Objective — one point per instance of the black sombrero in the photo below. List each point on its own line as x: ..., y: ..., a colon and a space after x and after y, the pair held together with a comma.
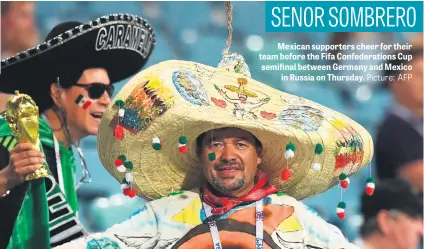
x: 120, y: 43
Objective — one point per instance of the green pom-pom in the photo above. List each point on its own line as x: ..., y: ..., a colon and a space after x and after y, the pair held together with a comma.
x: 279, y: 193
x: 124, y: 181
x: 157, y: 146
x: 212, y: 156
x: 119, y: 103
x: 319, y: 149
x: 342, y: 176
x: 291, y: 146
x: 122, y: 157
x: 342, y: 204
x: 128, y: 165
x: 370, y: 179
x: 182, y: 140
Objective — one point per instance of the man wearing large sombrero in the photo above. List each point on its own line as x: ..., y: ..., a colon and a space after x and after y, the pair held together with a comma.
x: 217, y: 179
x: 70, y: 78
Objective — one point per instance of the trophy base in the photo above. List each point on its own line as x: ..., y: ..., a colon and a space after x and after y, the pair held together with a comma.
x: 40, y: 173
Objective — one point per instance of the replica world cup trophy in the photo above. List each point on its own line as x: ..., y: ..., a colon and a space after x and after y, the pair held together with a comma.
x: 22, y: 116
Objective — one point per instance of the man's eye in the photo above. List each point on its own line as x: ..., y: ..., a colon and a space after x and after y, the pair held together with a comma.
x: 216, y: 145
x: 241, y: 145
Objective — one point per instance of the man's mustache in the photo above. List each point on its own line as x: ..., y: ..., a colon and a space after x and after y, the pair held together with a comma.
x: 232, y: 164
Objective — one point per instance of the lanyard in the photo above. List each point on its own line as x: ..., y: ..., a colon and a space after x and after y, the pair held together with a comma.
x: 259, y: 226
x: 58, y: 164
x: 58, y: 161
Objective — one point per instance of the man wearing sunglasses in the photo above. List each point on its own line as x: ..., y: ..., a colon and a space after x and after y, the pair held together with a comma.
x: 70, y: 78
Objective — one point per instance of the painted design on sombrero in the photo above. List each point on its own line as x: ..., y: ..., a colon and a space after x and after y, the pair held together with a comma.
x: 105, y: 243
x: 190, y: 87
x: 234, y: 63
x: 293, y: 100
x: 349, y: 150
x: 203, y: 73
x: 146, y: 102
x: 302, y: 117
x: 268, y: 115
x: 239, y: 95
x: 219, y: 102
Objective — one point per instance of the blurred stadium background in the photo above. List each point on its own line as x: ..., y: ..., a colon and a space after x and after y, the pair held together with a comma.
x: 197, y: 31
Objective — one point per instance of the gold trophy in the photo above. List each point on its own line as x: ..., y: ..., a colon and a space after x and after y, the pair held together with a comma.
x: 22, y: 116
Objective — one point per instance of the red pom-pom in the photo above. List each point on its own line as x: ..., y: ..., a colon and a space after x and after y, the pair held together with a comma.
x: 183, y: 149
x: 119, y: 132
x: 126, y: 191
x: 286, y: 174
x: 341, y: 215
x: 132, y: 192
x: 369, y: 191
x: 344, y: 184
x: 118, y: 162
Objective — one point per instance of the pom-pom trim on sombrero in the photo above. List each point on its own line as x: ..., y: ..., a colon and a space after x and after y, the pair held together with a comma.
x: 344, y: 180
x: 156, y: 143
x: 182, y: 145
x: 341, y: 207
x: 318, y: 151
x: 370, y: 187
x: 127, y: 189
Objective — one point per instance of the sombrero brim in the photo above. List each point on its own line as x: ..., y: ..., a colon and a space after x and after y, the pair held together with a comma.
x: 174, y: 110
x: 120, y: 43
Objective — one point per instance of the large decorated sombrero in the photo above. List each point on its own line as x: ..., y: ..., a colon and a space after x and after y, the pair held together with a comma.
x: 147, y: 138
x: 120, y: 43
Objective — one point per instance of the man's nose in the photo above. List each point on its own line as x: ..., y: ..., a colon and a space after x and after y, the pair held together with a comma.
x: 228, y: 153
x: 105, y: 99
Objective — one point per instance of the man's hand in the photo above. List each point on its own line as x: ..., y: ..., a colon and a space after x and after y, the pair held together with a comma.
x: 24, y: 159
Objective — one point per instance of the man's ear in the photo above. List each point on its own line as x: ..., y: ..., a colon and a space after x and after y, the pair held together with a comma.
x: 56, y: 94
x: 383, y: 221
x: 259, y: 160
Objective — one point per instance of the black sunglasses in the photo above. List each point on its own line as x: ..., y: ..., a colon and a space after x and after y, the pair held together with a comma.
x: 96, y: 90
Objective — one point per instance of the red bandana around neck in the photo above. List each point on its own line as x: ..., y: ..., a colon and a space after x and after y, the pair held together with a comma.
x: 221, y: 205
